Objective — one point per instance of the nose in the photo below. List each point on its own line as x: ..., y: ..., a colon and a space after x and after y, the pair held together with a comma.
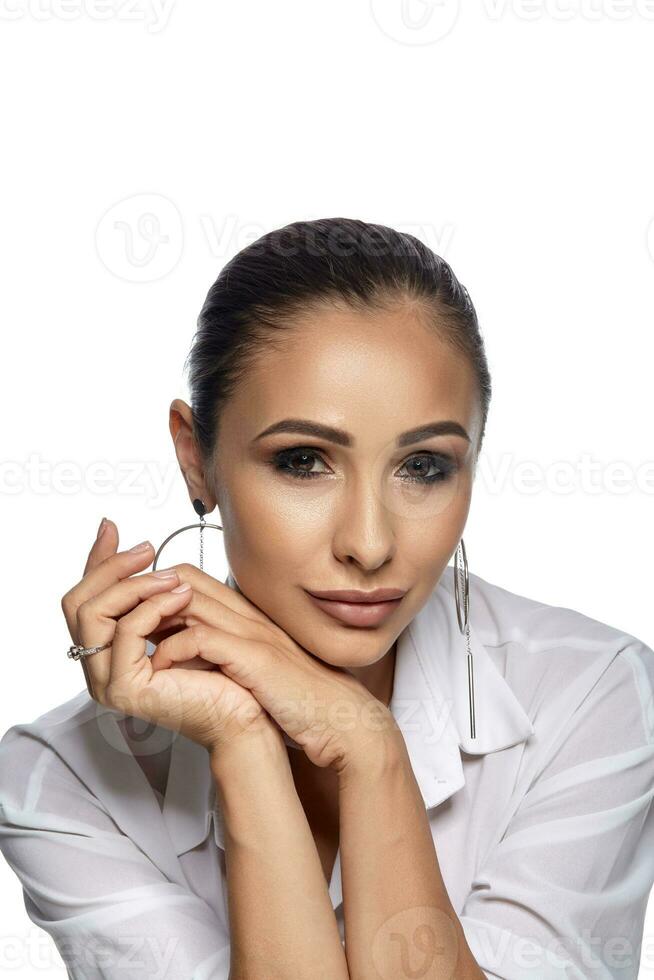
x: 364, y: 532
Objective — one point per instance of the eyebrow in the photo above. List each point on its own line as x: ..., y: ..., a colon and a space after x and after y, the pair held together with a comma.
x: 342, y: 438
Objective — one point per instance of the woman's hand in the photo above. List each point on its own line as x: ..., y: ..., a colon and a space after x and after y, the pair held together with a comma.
x: 111, y: 604
x: 329, y: 713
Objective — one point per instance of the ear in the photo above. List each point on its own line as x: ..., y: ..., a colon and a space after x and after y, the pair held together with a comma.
x: 180, y: 423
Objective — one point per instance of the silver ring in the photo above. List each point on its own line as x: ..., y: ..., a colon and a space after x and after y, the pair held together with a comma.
x: 77, y: 652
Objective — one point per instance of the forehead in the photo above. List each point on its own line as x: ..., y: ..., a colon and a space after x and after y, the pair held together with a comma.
x: 382, y: 369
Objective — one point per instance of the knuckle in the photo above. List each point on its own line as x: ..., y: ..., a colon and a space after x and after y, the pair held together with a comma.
x: 273, y: 633
x: 280, y: 640
x: 106, y: 696
x: 263, y: 635
x: 101, y: 697
x: 122, y: 629
x: 86, y: 611
x: 201, y: 633
x: 67, y: 601
x: 273, y: 652
x: 117, y: 697
x: 185, y: 568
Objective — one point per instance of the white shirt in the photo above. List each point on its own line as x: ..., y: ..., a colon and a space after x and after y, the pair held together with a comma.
x: 543, y: 824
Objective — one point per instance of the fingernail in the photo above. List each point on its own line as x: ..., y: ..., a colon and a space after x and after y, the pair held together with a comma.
x: 166, y: 573
x: 101, y: 529
x: 143, y: 546
x: 182, y: 588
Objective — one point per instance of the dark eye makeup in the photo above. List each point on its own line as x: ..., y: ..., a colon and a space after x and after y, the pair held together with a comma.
x: 431, y: 467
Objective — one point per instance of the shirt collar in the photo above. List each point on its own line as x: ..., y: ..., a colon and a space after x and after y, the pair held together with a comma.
x: 429, y: 704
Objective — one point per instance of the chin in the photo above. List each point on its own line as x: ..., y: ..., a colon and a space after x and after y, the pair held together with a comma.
x: 350, y: 649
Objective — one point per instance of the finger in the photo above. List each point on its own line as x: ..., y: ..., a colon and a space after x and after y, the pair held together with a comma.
x: 212, y: 587
x: 129, y: 660
x: 105, y: 544
x: 205, y: 609
x: 96, y: 618
x: 102, y: 572
x: 214, y: 612
x: 241, y: 657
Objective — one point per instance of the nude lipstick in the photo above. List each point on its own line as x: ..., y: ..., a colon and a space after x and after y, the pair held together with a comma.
x: 356, y: 608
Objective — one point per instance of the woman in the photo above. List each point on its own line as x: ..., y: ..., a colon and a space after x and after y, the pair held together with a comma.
x: 323, y: 790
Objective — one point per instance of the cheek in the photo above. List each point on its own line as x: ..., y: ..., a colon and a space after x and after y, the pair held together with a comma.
x: 436, y: 506
x: 270, y: 539
x: 427, y: 546
x: 295, y: 521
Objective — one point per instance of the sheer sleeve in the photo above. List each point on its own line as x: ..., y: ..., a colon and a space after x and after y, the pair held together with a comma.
x: 111, y: 912
x: 564, y: 892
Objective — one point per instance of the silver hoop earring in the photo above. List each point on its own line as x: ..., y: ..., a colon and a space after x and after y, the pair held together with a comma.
x: 462, y: 599
x: 199, y: 507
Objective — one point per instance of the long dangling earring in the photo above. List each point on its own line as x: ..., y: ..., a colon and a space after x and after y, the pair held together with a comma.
x: 198, y: 506
x: 462, y: 597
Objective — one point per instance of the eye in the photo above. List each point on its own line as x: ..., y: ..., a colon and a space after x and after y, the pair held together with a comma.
x: 430, y: 468
x: 286, y: 460
x: 425, y: 468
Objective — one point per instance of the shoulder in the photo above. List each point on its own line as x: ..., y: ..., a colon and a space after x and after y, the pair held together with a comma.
x: 52, y: 724
x: 72, y: 752
x: 557, y: 655
x: 501, y: 616
x: 29, y: 749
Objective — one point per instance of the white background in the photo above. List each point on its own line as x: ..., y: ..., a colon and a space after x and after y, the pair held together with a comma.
x: 145, y: 144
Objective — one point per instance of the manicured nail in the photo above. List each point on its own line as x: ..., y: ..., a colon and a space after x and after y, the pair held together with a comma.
x: 182, y: 588
x: 143, y: 546
x: 101, y: 529
x: 166, y: 573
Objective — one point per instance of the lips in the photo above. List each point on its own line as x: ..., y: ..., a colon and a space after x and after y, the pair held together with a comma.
x: 361, y: 614
x: 355, y: 595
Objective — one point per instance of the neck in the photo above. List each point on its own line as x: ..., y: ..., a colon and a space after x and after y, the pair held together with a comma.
x: 378, y: 677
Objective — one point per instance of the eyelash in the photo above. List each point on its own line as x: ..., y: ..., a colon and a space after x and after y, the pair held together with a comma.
x: 281, y: 459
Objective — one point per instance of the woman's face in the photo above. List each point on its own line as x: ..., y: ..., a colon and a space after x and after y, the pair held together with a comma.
x: 353, y: 508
